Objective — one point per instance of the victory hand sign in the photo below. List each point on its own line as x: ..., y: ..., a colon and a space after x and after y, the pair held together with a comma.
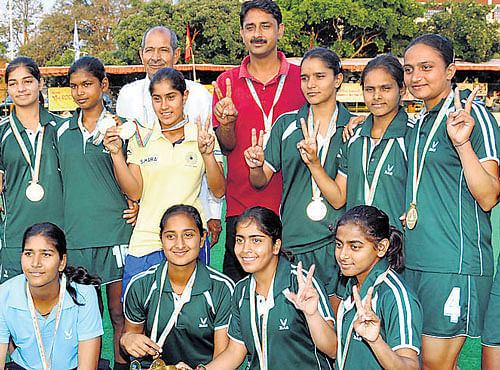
x: 225, y: 110
x: 367, y: 324
x: 206, y: 141
x: 254, y: 155
x: 460, y: 123
x: 308, y: 147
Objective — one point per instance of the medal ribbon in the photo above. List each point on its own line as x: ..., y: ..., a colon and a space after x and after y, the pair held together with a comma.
x: 35, y: 172
x: 342, y: 355
x: 180, y: 124
x: 332, y: 128
x: 268, y: 119
x: 370, y: 189
x: 98, y: 136
x: 185, y: 297
x: 435, y: 125
x: 260, y: 348
x: 46, y: 363
x: 138, y: 135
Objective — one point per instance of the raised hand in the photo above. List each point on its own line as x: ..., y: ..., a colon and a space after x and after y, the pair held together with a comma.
x: 206, y: 141
x: 354, y: 122
x: 254, y: 155
x: 367, y: 324
x: 306, y: 299
x: 112, y: 140
x: 308, y: 147
x: 225, y: 111
x: 460, y: 123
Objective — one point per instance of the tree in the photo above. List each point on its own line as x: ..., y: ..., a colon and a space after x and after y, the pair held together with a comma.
x: 214, y: 26
x: 95, y: 21
x: 26, y: 15
x: 465, y: 24
x: 352, y: 28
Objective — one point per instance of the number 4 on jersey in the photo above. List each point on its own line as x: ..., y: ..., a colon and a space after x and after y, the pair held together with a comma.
x: 452, y: 305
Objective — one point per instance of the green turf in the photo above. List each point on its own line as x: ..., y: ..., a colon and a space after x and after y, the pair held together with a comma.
x: 470, y: 357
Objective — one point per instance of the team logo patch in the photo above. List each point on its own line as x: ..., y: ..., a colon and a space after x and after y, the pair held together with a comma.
x: 388, y: 170
x: 191, y: 159
x: 284, y: 324
x: 151, y: 159
x: 203, y: 322
x: 433, y: 147
x: 68, y: 334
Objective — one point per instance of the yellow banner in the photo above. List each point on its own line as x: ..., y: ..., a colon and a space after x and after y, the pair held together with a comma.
x: 60, y: 99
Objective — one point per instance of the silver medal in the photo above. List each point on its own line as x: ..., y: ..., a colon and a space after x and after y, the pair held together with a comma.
x: 35, y: 192
x: 316, y: 210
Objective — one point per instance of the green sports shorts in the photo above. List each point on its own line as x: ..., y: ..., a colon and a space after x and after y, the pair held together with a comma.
x: 105, y: 262
x: 491, y: 330
x: 453, y: 304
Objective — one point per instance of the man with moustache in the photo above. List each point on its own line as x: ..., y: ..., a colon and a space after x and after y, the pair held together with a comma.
x: 158, y: 50
x: 248, y: 97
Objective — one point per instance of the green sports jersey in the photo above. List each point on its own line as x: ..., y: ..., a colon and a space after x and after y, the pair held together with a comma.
x: 396, y: 306
x: 20, y: 212
x: 289, y: 343
x: 300, y: 234
x: 389, y: 194
x: 453, y: 233
x: 93, y: 201
x: 192, y: 337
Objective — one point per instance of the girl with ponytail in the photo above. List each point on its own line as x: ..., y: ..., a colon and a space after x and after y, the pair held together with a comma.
x: 382, y: 316
x: 40, y: 317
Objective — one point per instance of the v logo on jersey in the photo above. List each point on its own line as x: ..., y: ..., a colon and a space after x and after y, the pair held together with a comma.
x: 433, y: 147
x: 203, y: 323
x: 389, y: 169
x: 67, y: 334
x: 284, y: 324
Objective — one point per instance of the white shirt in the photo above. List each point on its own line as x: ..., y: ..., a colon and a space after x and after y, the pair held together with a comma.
x: 134, y: 101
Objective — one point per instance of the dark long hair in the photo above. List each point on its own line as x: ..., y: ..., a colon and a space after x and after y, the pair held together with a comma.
x: 189, y: 211
x: 56, y: 237
x: 30, y: 65
x: 375, y: 224
x: 439, y: 43
x: 269, y: 223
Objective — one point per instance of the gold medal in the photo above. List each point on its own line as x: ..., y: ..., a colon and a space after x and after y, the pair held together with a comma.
x: 35, y: 192
x: 316, y: 210
x: 411, y: 217
x: 158, y: 363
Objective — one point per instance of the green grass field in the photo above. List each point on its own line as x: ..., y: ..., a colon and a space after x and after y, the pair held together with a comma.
x: 470, y: 357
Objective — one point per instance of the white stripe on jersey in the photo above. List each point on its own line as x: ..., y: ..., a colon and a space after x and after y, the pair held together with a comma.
x: 487, y: 129
x: 6, y: 135
x: 402, y: 333
x: 242, y: 296
x: 478, y: 237
x: 216, y: 275
x: 406, y: 301
x: 149, y: 271
x: 62, y: 129
x: 354, y: 137
x: 289, y: 130
x: 153, y: 288
x: 460, y: 220
x: 401, y: 142
x: 208, y: 298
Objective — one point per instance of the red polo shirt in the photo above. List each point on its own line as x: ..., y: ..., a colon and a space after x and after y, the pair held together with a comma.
x: 240, y: 194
